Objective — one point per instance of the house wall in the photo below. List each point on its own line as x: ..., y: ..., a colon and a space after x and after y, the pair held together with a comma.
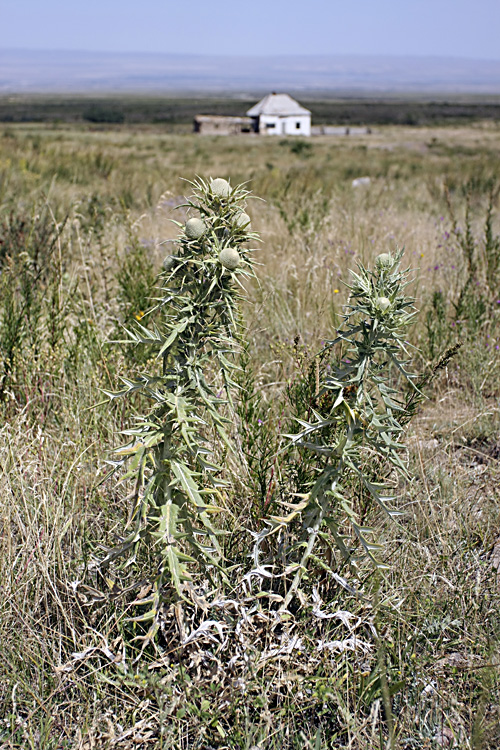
x: 305, y: 125
x: 221, y: 125
x: 275, y: 125
x: 216, y: 128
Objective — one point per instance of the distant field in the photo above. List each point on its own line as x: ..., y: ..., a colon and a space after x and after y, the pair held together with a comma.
x: 177, y: 112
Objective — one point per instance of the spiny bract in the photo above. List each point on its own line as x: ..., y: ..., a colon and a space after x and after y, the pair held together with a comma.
x: 195, y: 228
x: 230, y: 258
x: 220, y: 187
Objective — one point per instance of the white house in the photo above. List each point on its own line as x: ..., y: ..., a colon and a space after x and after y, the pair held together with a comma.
x: 279, y: 114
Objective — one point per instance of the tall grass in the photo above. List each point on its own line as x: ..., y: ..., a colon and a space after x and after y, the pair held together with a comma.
x: 82, y: 216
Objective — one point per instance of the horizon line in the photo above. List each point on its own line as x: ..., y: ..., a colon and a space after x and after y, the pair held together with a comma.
x: 413, y: 55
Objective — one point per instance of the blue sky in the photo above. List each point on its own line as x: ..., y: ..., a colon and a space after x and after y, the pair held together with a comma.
x: 459, y: 28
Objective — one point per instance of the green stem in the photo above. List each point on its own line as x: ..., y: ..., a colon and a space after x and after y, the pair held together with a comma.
x: 305, y: 557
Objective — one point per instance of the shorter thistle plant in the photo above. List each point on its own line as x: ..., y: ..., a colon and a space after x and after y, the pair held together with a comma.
x: 360, y: 435
x: 170, y: 453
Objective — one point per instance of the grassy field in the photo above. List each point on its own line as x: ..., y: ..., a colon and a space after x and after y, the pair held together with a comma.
x: 177, y: 113
x: 84, y: 215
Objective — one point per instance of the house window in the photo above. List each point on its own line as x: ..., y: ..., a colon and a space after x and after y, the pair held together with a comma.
x: 297, y: 125
x: 270, y: 124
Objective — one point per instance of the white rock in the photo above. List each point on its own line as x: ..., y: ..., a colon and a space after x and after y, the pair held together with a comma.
x: 359, y: 181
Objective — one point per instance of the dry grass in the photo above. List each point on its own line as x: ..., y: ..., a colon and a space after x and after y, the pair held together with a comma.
x: 440, y: 629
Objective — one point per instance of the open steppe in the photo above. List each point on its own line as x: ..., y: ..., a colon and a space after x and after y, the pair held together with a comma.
x: 84, y: 212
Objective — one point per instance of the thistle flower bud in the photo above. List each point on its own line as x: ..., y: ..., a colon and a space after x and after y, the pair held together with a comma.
x: 383, y: 303
x: 220, y: 187
x: 242, y: 221
x: 169, y: 262
x: 383, y: 260
x: 195, y: 228
x: 230, y: 258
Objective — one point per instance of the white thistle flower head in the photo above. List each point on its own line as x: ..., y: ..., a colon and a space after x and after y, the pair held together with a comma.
x: 230, y: 258
x: 383, y: 260
x: 383, y: 303
x: 220, y: 187
x: 242, y: 221
x: 195, y: 228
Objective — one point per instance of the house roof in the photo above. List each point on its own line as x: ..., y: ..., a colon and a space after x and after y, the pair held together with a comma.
x: 277, y: 104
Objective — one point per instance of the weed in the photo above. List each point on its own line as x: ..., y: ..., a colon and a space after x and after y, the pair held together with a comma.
x: 361, y: 422
x: 176, y: 482
x: 35, y: 294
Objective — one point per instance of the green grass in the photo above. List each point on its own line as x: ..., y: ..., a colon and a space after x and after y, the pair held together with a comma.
x: 82, y: 216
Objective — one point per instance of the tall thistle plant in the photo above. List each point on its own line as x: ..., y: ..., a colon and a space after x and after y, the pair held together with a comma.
x: 170, y: 452
x: 357, y: 423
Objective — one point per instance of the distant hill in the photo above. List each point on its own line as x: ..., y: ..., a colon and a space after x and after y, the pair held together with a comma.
x: 25, y: 71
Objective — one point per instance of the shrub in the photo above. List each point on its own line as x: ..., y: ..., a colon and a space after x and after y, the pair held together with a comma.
x: 104, y: 114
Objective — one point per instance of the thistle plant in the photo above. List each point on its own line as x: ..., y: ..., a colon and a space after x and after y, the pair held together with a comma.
x: 357, y: 425
x: 170, y: 454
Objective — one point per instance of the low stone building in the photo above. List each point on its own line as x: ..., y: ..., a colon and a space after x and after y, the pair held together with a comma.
x: 279, y: 114
x: 221, y: 125
x: 275, y: 114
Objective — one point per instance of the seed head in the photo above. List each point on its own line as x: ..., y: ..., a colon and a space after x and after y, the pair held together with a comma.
x: 220, y: 187
x: 383, y: 260
x: 383, y: 303
x: 195, y: 228
x: 242, y: 221
x: 230, y: 258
